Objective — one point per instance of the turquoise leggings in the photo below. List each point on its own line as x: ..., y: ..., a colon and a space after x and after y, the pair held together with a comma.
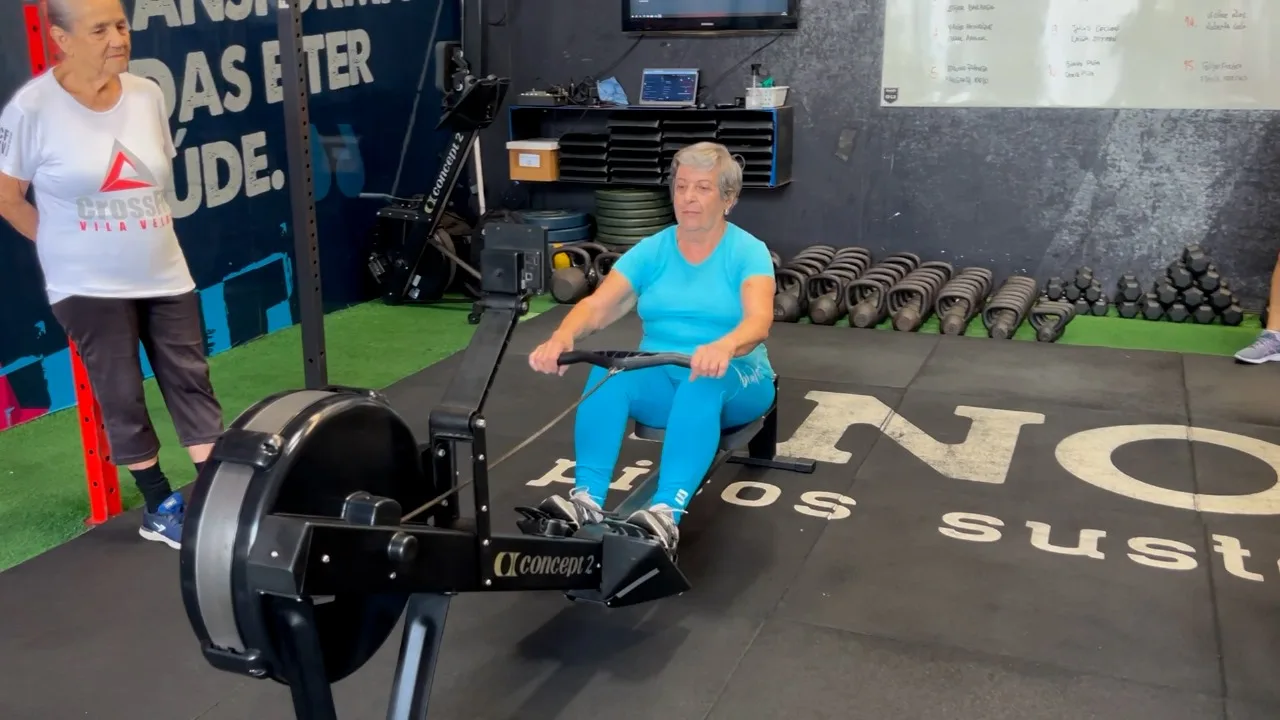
x: 692, y: 413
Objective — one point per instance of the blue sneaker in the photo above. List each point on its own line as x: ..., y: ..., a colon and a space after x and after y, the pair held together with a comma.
x: 165, y: 524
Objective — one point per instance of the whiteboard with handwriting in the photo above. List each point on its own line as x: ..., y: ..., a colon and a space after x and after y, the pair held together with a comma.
x: 1222, y: 54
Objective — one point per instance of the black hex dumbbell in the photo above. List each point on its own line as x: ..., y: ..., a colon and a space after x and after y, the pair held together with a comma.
x: 1084, y: 277
x: 1220, y: 299
x: 1082, y: 306
x: 1053, y: 289
x: 1093, y: 293
x: 1179, y: 276
x: 1151, y: 307
x: 1233, y: 315
x: 1130, y: 308
x: 1193, y: 297
x: 1167, y: 294
x: 1177, y: 312
x: 1195, y: 259
x: 1203, y: 314
x: 1210, y: 280
x: 1071, y: 293
x: 1128, y: 289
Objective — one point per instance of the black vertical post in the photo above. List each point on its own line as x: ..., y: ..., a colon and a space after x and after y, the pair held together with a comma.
x: 297, y: 132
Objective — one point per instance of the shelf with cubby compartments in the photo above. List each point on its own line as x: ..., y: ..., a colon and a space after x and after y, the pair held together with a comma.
x: 634, y: 145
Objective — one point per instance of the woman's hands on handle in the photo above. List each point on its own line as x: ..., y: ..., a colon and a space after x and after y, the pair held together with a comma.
x: 710, y: 360
x: 545, y: 358
x: 613, y: 299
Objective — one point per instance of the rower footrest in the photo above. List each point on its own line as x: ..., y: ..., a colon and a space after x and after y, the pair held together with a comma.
x: 633, y: 570
x: 538, y: 523
x: 790, y: 464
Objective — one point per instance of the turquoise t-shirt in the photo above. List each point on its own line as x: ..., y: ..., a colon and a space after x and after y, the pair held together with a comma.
x: 682, y: 305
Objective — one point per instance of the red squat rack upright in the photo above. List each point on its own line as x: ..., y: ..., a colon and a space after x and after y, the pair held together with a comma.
x: 103, y: 481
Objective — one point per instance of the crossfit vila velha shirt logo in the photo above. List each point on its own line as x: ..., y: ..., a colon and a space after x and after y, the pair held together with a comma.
x: 130, y: 197
x: 6, y: 141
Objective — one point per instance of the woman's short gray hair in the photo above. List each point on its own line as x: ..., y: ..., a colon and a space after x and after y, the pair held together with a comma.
x: 707, y: 156
x: 59, y: 13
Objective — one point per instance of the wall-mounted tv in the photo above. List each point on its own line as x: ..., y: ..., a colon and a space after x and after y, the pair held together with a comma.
x: 709, y: 16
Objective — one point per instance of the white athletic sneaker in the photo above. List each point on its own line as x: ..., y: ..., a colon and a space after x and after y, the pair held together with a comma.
x: 578, y: 509
x: 660, y: 522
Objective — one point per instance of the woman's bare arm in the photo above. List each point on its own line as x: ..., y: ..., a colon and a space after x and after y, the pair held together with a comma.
x: 14, y: 207
x: 757, y: 316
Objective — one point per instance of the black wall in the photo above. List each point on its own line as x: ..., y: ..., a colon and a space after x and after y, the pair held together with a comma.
x: 1017, y: 190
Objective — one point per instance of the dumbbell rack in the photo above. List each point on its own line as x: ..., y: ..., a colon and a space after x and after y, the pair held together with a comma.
x: 1191, y: 289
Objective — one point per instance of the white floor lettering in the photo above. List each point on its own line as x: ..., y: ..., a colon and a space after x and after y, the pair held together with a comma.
x: 743, y: 493
x: 1162, y: 553
x: 1233, y: 555
x: 1087, y: 545
x: 1152, y: 552
x: 1087, y: 455
x: 624, y: 483
x: 984, y: 456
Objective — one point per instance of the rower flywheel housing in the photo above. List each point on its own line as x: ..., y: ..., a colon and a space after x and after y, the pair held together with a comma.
x: 297, y: 453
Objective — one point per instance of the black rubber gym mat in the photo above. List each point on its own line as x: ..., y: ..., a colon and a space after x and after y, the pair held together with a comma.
x: 795, y: 670
x: 1090, y: 377
x: 1218, y: 388
x: 848, y: 355
x: 1246, y: 589
x: 952, y: 563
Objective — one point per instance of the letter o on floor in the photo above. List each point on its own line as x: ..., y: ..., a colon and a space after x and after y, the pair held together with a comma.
x: 1087, y: 455
x: 733, y: 494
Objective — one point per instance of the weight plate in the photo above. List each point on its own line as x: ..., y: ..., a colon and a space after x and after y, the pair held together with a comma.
x: 554, y: 219
x: 626, y: 226
x: 649, y: 204
x: 328, y: 446
x: 634, y: 213
x: 570, y: 234
x: 616, y: 224
x: 630, y: 194
x: 632, y: 229
x: 625, y: 241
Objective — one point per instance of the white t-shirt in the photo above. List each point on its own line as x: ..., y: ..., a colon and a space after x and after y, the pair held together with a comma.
x: 100, y: 179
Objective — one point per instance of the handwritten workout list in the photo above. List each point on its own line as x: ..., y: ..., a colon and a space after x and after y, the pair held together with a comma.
x: 1081, y: 53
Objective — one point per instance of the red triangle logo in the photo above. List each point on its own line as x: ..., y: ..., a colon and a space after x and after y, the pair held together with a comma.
x: 116, y: 183
x: 139, y: 176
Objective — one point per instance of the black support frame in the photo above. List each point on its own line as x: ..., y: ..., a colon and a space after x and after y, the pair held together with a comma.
x: 297, y: 131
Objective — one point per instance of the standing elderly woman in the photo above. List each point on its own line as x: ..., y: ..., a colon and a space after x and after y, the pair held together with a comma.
x: 94, y: 142
x: 703, y: 287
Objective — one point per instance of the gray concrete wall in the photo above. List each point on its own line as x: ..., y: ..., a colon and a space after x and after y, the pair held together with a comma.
x: 1016, y: 190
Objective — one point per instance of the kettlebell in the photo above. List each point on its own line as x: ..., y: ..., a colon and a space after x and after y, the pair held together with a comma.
x: 571, y: 284
x: 602, y: 265
x: 788, y: 301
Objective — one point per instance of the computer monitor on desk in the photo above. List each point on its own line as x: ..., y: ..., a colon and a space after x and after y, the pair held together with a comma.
x: 669, y: 88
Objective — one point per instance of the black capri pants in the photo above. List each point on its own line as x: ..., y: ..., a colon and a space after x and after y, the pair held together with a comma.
x: 107, y: 332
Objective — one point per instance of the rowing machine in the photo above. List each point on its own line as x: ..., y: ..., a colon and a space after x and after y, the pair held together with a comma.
x: 320, y: 519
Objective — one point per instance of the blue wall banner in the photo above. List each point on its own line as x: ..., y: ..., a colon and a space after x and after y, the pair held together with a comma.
x: 369, y: 66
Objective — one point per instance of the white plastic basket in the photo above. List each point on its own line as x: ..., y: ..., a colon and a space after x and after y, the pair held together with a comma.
x: 767, y: 97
